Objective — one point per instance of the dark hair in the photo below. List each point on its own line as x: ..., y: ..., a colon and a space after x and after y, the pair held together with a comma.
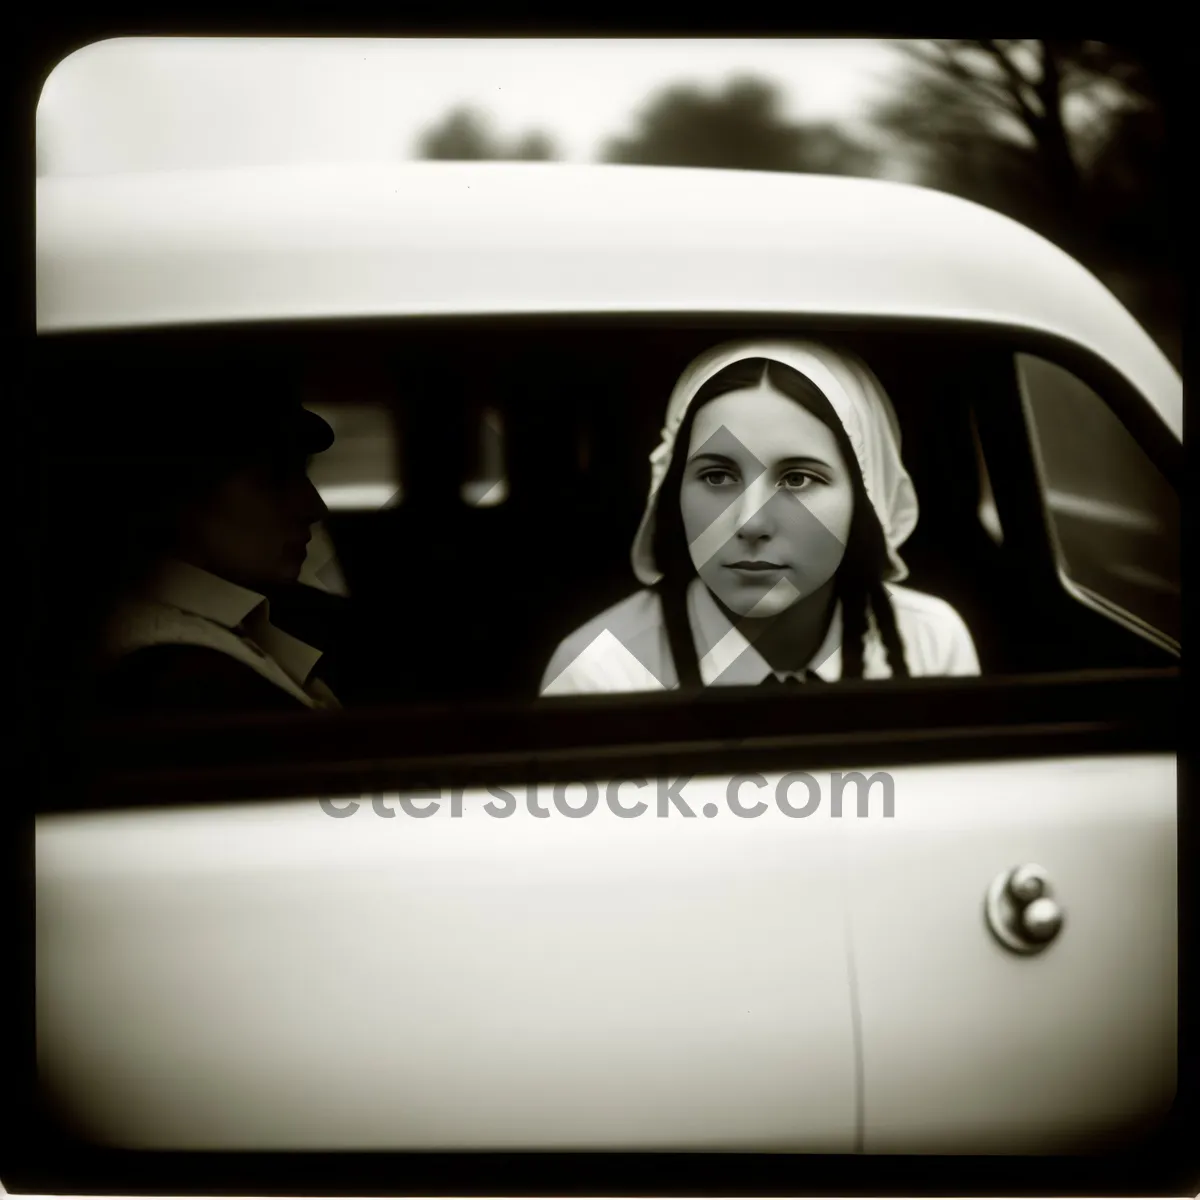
x: 859, y: 580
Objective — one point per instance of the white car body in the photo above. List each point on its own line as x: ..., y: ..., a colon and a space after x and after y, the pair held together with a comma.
x: 318, y: 243
x: 760, y: 985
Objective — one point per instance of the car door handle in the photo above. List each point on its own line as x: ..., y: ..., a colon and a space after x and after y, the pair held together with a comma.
x: 1021, y: 909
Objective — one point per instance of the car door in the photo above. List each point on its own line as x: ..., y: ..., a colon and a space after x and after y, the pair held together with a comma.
x: 224, y: 962
x: 973, y: 1042
x: 227, y: 963
x: 285, y: 975
x: 974, y: 1032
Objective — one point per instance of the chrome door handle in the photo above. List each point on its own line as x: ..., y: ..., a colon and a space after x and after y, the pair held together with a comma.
x: 1021, y: 910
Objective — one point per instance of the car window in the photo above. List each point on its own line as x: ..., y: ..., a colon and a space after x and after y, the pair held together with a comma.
x: 484, y: 488
x: 1114, y: 515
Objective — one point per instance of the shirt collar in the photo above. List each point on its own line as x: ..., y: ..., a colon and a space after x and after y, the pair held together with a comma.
x: 728, y: 658
x: 193, y: 590
x: 297, y: 658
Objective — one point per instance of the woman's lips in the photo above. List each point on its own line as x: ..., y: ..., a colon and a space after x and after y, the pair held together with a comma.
x: 755, y: 566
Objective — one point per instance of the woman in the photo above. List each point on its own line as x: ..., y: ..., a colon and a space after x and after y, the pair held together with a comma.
x: 769, y: 546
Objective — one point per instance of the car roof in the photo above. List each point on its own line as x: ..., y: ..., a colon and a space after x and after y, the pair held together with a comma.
x: 417, y: 239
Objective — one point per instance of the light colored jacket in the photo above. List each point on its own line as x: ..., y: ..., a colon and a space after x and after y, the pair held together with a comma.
x: 185, y: 605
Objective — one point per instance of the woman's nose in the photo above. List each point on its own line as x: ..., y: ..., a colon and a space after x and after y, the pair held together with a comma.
x: 754, y: 519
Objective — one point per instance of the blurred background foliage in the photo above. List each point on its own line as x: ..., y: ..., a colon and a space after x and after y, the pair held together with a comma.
x: 466, y: 133
x: 1072, y: 138
x: 740, y: 126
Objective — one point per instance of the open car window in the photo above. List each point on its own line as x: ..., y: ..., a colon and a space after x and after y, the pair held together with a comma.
x: 486, y: 481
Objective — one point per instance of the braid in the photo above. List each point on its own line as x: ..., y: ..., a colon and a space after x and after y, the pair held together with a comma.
x: 861, y: 587
x: 852, y: 593
x: 885, y: 619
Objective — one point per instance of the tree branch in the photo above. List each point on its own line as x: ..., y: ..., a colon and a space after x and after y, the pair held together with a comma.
x: 1049, y: 86
x: 948, y: 66
x: 1018, y: 82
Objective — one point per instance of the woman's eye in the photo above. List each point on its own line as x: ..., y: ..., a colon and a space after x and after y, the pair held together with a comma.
x: 717, y: 478
x: 797, y: 480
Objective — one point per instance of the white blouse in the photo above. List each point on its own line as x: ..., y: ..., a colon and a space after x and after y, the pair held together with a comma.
x: 625, y: 648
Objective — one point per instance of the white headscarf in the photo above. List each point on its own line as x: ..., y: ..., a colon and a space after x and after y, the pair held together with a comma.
x: 858, y: 399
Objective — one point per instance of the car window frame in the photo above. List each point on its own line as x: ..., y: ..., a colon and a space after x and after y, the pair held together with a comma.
x: 1019, y: 492
x: 230, y: 757
x: 1080, y: 592
x: 1006, y: 502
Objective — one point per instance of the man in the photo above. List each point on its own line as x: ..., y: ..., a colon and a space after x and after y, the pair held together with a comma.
x: 217, y: 514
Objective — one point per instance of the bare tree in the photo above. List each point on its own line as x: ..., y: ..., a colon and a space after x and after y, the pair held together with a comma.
x: 1069, y: 137
x: 993, y: 116
x: 740, y: 126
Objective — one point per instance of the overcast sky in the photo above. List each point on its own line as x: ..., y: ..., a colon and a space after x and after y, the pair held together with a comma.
x: 158, y: 104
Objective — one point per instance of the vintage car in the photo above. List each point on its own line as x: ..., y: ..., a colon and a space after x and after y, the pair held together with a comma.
x: 246, y: 942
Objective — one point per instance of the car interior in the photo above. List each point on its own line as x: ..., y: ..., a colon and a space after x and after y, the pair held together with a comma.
x: 521, y: 448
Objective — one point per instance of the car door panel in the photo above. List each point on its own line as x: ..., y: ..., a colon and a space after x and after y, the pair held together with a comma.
x: 264, y: 976
x: 968, y: 1046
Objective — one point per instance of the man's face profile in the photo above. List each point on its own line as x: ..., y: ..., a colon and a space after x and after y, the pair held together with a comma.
x: 253, y: 526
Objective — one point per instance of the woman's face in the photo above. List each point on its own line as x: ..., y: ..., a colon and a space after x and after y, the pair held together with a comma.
x: 766, y: 501
x: 253, y: 528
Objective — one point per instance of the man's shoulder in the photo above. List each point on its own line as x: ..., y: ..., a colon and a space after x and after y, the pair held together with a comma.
x: 143, y: 622
x: 172, y: 677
